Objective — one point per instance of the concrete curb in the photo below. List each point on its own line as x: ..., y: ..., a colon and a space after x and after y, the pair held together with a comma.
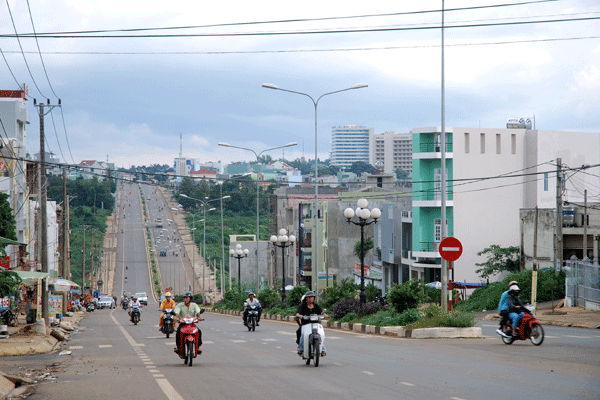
x: 392, y: 331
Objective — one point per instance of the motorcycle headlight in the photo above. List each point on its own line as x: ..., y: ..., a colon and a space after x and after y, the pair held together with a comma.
x: 314, y: 318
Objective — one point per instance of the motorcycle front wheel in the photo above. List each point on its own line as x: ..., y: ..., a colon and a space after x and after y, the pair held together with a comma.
x: 537, y: 334
x: 309, y: 353
x: 253, y: 324
x: 315, y: 349
x: 190, y: 351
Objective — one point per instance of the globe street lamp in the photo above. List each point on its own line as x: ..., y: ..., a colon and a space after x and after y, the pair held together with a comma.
x: 239, y: 253
x: 257, y: 187
x: 363, y: 214
x: 316, y: 215
x: 282, y: 241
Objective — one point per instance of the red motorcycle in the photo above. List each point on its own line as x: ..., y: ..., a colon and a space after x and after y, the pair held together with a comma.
x: 529, y: 328
x: 189, y: 339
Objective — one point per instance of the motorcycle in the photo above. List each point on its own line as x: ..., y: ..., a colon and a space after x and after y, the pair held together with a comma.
x: 529, y: 328
x: 252, y: 318
x: 314, y: 335
x: 136, y: 315
x: 125, y: 304
x: 189, y: 337
x: 89, y: 307
x: 8, y: 317
x: 168, y: 322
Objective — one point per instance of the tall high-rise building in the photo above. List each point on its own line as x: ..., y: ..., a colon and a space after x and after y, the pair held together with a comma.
x: 393, y: 149
x: 350, y: 144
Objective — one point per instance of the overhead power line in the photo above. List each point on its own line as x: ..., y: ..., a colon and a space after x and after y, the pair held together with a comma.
x: 312, y: 32
x: 222, y: 25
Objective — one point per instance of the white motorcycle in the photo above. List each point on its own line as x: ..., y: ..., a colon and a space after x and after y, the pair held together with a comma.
x: 314, y: 335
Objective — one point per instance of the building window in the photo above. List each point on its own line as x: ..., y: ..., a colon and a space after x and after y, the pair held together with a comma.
x: 498, y: 144
x: 482, y: 143
x: 513, y: 143
x: 545, y: 182
x: 467, y: 143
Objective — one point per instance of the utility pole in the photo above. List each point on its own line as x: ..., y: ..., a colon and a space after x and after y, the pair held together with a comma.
x: 444, y: 274
x: 534, y: 269
x: 43, y: 197
x: 585, y: 225
x: 63, y: 238
x: 83, y: 262
x: 558, y: 249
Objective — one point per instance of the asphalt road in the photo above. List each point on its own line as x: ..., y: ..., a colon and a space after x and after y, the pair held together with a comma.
x: 112, y: 358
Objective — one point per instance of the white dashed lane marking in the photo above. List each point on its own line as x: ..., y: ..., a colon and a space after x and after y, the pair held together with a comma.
x: 238, y: 341
x: 102, y: 346
x: 368, y: 373
x: 406, y: 384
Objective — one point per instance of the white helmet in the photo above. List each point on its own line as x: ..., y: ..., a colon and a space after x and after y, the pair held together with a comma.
x: 514, y: 288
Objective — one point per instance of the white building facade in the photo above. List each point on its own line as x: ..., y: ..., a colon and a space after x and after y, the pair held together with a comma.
x: 15, y: 117
x: 393, y: 149
x: 350, y: 144
x: 493, y: 174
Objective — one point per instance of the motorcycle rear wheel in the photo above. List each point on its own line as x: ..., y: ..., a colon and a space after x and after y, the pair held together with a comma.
x: 309, y: 353
x: 190, y: 351
x: 509, y: 339
x: 253, y: 324
x: 537, y: 334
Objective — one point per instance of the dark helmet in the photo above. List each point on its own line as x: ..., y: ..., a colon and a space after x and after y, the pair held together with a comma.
x: 310, y: 294
x: 188, y: 294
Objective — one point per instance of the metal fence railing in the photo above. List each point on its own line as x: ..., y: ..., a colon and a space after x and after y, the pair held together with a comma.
x: 582, y: 283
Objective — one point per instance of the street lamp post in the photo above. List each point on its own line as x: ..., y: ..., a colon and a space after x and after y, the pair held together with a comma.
x: 257, y: 187
x: 282, y: 242
x: 239, y: 253
x: 316, y: 214
x: 363, y: 214
x: 193, y: 258
x: 204, y: 203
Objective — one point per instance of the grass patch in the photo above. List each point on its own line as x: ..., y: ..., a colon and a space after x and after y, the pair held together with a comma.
x: 433, y: 316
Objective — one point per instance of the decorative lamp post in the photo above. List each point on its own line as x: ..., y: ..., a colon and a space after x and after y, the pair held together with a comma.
x: 316, y: 215
x: 363, y: 214
x: 283, y: 241
x: 239, y: 253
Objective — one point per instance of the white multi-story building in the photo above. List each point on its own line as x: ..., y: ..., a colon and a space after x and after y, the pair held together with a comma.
x: 350, y: 144
x: 393, y: 149
x: 492, y: 174
x: 183, y: 166
x: 15, y: 117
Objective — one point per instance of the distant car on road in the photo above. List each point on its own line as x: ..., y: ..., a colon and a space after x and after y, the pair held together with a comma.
x: 142, y: 298
x: 106, y: 302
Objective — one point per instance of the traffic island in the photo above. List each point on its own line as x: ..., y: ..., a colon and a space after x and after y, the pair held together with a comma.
x: 443, y: 333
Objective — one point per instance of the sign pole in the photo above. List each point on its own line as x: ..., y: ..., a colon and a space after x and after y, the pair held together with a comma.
x: 450, y: 285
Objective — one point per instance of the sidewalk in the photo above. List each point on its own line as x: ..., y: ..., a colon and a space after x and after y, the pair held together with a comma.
x: 24, y: 340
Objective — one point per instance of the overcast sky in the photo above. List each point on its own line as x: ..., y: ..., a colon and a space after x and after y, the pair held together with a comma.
x: 129, y: 99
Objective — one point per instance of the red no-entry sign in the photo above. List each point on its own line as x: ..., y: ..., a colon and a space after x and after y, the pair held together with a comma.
x: 450, y: 249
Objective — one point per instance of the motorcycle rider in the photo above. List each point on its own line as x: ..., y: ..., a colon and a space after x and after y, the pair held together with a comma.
x: 251, y: 301
x: 503, y: 308
x: 134, y: 302
x: 166, y: 303
x: 187, y: 309
x: 516, y: 309
x: 306, y: 308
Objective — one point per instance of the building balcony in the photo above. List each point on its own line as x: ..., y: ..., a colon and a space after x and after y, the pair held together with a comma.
x: 432, y: 199
x: 427, y: 250
x: 432, y: 150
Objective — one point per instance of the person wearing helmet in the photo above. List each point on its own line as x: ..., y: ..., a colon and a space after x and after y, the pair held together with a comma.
x: 516, y: 309
x: 187, y: 309
x: 251, y: 301
x: 166, y: 303
x: 306, y: 308
x: 134, y: 302
x: 503, y: 307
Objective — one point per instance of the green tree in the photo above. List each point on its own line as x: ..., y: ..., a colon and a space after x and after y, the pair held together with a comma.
x: 500, y: 259
x: 9, y: 281
x: 368, y: 246
x: 360, y: 167
x: 406, y: 295
x: 7, y: 220
x: 401, y: 174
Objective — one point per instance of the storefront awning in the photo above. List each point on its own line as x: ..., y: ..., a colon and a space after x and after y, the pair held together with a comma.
x: 6, y: 241
x: 31, y: 277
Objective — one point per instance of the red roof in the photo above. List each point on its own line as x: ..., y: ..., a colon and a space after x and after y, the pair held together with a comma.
x: 203, y: 171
